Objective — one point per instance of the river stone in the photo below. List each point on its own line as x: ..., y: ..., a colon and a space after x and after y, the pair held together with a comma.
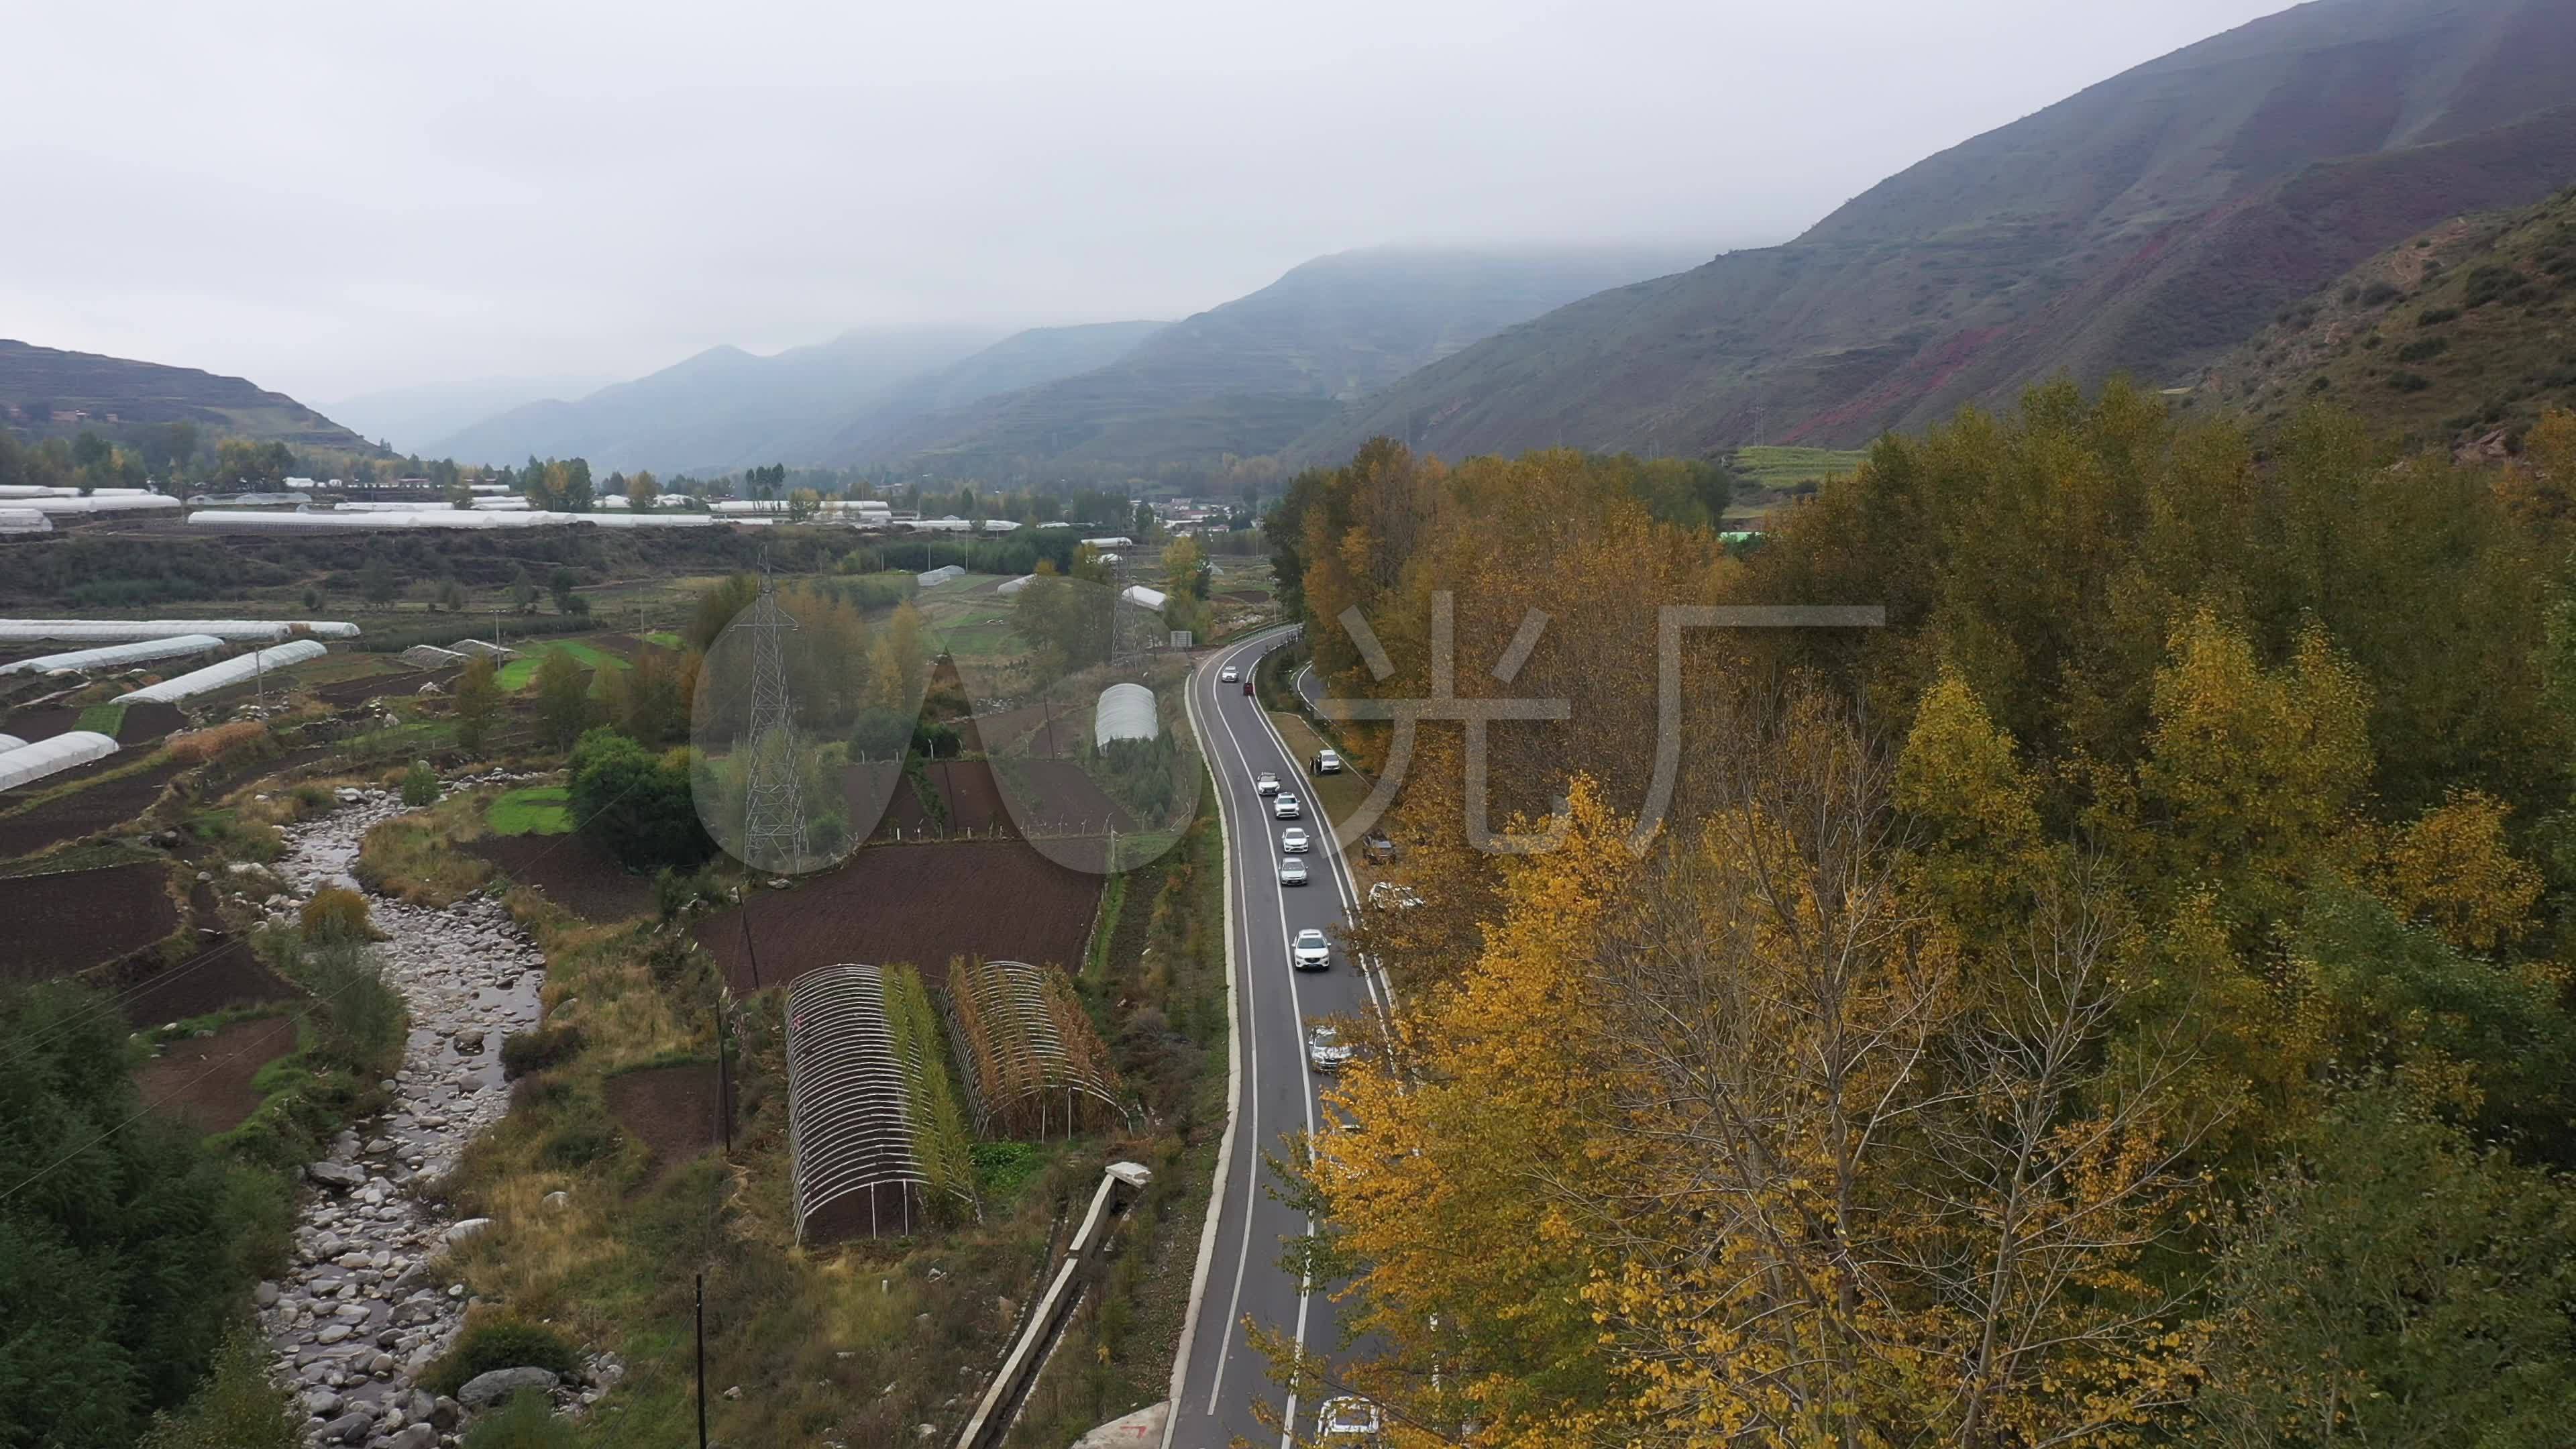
x: 341, y: 1175
x: 485, y: 1390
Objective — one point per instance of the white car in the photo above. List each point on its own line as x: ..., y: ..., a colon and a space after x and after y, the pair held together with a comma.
x: 1265, y: 783
x: 1228, y: 675
x: 1349, y: 1422
x: 1287, y: 808
x: 1293, y: 840
x: 1325, y: 1049
x: 1328, y: 763
x: 1310, y: 951
x: 1292, y: 871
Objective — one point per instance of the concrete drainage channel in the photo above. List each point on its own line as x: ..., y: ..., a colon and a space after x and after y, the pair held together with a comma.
x: 1120, y: 1183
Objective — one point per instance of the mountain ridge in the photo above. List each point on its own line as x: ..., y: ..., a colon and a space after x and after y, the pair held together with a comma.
x: 2194, y: 174
x: 125, y: 392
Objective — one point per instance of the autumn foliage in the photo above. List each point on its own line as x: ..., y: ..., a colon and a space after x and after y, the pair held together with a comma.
x: 2123, y: 1001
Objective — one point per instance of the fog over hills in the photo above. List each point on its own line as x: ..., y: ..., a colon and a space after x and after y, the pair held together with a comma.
x: 2145, y: 224
x: 1248, y: 376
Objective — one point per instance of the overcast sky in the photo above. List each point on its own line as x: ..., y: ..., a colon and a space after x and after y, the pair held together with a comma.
x: 338, y: 197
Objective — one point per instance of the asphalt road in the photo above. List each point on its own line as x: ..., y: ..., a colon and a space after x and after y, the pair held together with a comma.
x: 1219, y: 1376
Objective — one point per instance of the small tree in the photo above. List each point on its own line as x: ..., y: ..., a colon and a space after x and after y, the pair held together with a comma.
x: 478, y: 701
x: 523, y: 590
x: 419, y: 785
x: 376, y: 581
x: 451, y: 596
x: 563, y: 698
x: 561, y: 583
x: 638, y: 804
x: 336, y: 914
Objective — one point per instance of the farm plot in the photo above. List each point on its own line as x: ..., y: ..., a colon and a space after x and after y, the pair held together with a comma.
x: 575, y: 872
x: 521, y: 673
x: 672, y: 1110
x: 73, y: 920
x: 206, y: 1081
x: 910, y: 903
x: 227, y: 973
x: 84, y: 812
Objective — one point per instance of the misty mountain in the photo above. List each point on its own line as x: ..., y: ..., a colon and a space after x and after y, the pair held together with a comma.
x: 410, y: 418
x: 118, y: 393
x: 2145, y: 224
x: 723, y: 408
x: 1023, y: 359
x: 1249, y: 376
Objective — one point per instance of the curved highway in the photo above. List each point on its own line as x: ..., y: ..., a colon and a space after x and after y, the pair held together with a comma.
x: 1218, y: 1376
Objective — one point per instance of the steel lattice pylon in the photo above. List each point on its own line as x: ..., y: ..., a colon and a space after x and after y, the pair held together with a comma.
x: 773, y: 834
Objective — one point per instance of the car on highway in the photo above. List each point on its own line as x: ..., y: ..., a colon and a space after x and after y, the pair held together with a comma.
x: 1292, y: 871
x: 1293, y: 840
x: 1310, y: 951
x: 1266, y: 783
x: 1325, y: 1049
x: 1349, y: 1422
x: 1287, y: 808
x: 1228, y: 675
x: 1327, y: 763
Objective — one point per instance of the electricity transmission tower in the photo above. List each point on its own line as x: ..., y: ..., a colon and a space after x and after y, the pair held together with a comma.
x: 774, y: 800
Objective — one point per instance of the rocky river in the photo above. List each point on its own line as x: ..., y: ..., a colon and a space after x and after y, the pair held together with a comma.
x: 366, y: 1307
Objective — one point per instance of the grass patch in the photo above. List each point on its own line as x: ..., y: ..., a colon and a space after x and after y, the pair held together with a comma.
x: 535, y: 810
x: 521, y: 673
x: 106, y: 719
x: 414, y: 857
x: 666, y: 639
x: 1777, y: 468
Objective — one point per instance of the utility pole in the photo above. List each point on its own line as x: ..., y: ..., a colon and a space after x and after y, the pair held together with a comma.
x: 702, y: 1361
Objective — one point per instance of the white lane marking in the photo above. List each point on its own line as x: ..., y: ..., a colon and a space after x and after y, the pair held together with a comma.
x: 1249, y: 1046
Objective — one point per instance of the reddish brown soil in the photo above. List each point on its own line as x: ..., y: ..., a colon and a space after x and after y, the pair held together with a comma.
x: 911, y: 903
x: 83, y: 812
x: 974, y: 800
x: 574, y: 871
x: 225, y: 973
x: 73, y: 920
x: 359, y: 691
x: 1060, y: 798
x: 671, y: 1110
x: 206, y: 1081
x: 1244, y: 596
x: 147, y: 722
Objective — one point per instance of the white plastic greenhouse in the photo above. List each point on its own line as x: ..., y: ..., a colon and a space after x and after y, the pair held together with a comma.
x: 217, y: 676
x: 119, y: 631
x: 114, y: 655
x: 52, y: 756
x: 349, y: 520
x: 1125, y: 712
x: 1145, y: 598
x: 1015, y: 585
x: 105, y: 503
x: 11, y: 742
x: 24, y: 520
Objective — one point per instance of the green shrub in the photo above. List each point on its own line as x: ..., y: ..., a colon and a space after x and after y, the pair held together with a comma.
x: 498, y: 1344
x: 523, y: 1052
x: 336, y: 913
x: 419, y: 785
x: 2380, y: 294
x: 2409, y: 381
x: 637, y: 803
x: 2436, y: 316
x: 2423, y: 348
x: 236, y: 1408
